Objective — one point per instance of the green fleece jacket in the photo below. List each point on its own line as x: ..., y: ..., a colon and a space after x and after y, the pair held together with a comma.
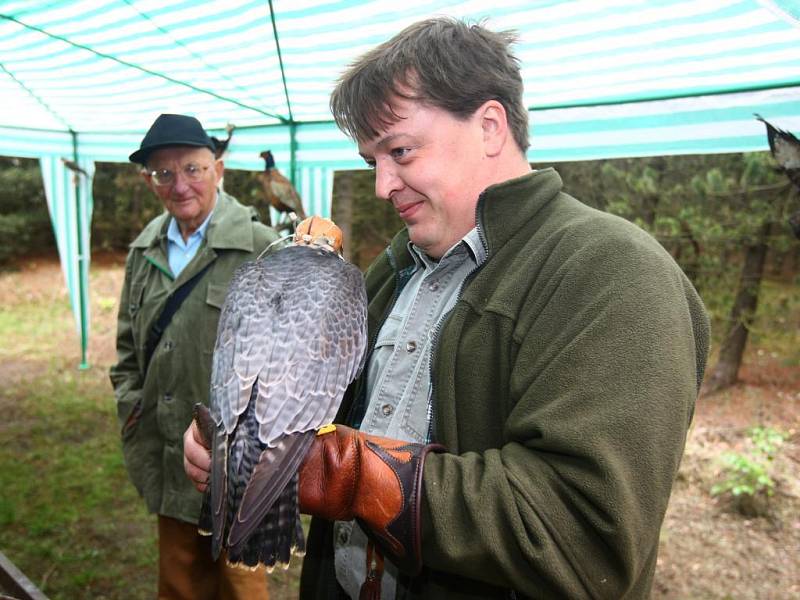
x: 564, y: 383
x: 155, y: 408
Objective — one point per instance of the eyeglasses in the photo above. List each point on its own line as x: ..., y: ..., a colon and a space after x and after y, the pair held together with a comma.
x: 192, y: 172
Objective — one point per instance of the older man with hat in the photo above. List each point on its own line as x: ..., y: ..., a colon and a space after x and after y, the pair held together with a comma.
x: 176, y: 276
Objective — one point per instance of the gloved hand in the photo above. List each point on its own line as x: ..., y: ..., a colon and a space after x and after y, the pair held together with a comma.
x: 377, y: 481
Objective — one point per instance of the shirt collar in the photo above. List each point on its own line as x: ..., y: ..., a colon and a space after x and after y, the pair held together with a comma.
x: 470, y: 243
x: 174, y: 232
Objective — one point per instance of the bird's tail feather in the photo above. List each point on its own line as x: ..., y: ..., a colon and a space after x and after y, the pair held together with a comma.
x: 270, y: 477
x: 218, y: 501
x: 277, y: 537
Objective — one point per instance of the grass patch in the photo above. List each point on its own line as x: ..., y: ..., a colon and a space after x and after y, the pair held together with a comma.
x: 71, y: 521
x: 69, y: 518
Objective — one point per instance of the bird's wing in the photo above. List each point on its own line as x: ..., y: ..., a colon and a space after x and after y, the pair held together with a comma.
x: 244, y: 337
x: 294, y: 325
x: 318, y: 350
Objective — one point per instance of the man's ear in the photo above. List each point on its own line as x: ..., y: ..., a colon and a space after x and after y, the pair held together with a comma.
x: 494, y: 123
x: 219, y: 168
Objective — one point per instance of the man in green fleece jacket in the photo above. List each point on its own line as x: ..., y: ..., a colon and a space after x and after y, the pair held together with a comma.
x: 533, y: 363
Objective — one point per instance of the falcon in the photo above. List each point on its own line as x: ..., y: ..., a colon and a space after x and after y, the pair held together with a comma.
x: 292, y: 335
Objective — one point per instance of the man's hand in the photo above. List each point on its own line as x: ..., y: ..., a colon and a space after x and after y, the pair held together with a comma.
x: 377, y: 481
x: 196, y: 457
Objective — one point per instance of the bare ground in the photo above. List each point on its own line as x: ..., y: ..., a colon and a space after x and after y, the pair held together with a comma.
x: 708, y: 549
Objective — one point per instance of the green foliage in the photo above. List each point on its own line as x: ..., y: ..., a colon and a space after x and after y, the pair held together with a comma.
x: 749, y: 473
x: 24, y: 221
x: 123, y: 205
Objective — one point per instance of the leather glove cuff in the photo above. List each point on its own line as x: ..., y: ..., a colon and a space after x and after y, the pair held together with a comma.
x: 377, y: 481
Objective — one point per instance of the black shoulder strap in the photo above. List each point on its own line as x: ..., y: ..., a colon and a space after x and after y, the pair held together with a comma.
x: 173, y: 304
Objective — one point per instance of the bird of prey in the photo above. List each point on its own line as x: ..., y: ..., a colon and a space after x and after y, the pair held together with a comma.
x: 785, y: 149
x: 292, y: 336
x: 221, y: 146
x: 280, y: 192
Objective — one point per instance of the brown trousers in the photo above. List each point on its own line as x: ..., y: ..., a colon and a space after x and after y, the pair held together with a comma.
x: 187, y: 572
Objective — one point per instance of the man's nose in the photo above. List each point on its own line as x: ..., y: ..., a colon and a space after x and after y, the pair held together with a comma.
x: 387, y: 181
x: 181, y: 183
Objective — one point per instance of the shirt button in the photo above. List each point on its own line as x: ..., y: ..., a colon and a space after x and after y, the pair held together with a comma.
x: 343, y: 537
x: 168, y: 345
x: 387, y: 409
x: 411, y: 346
x: 167, y: 397
x: 434, y: 286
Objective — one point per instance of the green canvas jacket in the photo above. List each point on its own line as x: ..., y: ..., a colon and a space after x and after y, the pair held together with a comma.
x: 563, y: 386
x: 155, y: 409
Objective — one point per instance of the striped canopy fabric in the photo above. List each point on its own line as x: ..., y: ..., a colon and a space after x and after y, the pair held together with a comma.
x: 83, y: 79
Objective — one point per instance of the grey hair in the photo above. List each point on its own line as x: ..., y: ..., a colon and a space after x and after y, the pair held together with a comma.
x: 442, y: 62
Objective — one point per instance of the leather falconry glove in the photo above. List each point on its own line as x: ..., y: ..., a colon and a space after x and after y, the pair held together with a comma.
x: 377, y: 481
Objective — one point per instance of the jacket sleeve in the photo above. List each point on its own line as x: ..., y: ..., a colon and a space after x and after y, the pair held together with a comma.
x: 126, y: 376
x: 605, y: 362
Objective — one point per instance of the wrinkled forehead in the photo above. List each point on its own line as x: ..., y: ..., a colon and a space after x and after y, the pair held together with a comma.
x: 179, y: 155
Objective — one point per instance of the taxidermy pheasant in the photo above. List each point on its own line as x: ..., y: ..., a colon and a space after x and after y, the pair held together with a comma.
x: 280, y: 192
x: 785, y: 149
x: 292, y: 336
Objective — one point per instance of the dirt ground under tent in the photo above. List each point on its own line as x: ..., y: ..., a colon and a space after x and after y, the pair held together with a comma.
x: 708, y: 550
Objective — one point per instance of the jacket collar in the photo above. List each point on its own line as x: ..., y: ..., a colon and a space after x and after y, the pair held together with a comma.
x: 506, y: 207
x: 229, y: 228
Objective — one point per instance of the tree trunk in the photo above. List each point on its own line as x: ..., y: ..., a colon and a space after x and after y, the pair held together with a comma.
x: 744, y: 308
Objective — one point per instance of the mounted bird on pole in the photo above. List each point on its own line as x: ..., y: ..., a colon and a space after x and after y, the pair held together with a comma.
x: 221, y: 149
x: 221, y: 146
x: 281, y: 194
x: 292, y: 336
x: 785, y: 148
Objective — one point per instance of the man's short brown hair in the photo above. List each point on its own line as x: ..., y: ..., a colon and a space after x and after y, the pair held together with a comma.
x: 442, y: 62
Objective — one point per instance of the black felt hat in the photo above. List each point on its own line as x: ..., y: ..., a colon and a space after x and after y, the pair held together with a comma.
x: 172, y: 130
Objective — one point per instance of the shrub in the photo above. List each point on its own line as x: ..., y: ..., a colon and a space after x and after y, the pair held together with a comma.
x: 749, y: 474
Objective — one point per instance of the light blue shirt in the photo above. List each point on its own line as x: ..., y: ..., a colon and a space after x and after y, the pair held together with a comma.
x: 398, y: 380
x: 180, y: 253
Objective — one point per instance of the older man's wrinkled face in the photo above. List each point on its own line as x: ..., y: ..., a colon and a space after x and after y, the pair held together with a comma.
x: 185, y: 179
x: 428, y: 165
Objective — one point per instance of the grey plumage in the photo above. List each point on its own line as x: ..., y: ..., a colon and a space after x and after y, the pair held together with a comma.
x: 291, y: 337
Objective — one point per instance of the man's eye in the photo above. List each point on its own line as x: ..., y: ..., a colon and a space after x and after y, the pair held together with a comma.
x: 191, y: 169
x: 164, y: 173
x: 399, y: 153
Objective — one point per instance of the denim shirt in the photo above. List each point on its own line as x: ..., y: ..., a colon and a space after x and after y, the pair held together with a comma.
x: 399, y: 380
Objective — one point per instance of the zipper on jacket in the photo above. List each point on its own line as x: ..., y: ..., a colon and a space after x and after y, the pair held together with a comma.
x: 430, y: 413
